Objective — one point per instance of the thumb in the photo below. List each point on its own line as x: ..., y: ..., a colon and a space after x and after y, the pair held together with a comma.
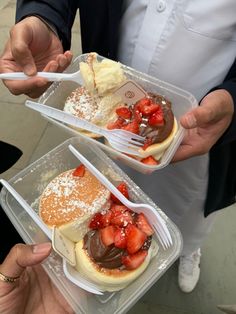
x: 199, y: 116
x: 21, y: 256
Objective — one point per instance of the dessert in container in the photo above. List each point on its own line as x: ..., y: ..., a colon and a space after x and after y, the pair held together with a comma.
x: 31, y: 182
x: 181, y: 102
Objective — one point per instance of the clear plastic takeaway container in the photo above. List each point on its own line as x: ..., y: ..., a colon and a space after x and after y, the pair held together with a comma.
x: 182, y: 101
x: 30, y: 183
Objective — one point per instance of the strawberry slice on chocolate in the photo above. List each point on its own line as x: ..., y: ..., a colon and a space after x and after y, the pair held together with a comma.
x: 133, y: 261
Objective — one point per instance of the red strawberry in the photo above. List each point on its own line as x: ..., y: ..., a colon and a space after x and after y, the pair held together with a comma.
x: 79, y: 171
x: 150, y: 109
x: 144, y: 102
x: 150, y: 161
x: 122, y: 187
x: 133, y: 261
x: 107, y: 235
x: 147, y: 142
x: 137, y: 115
x: 120, y: 238
x: 143, y: 224
x: 106, y: 219
x: 121, y: 219
x: 116, y: 124
x: 99, y: 221
x: 157, y: 118
x: 132, y: 127
x: 115, y: 208
x: 124, y: 112
x: 135, y: 238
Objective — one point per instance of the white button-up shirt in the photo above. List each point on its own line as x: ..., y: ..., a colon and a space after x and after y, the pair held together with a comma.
x: 191, y: 44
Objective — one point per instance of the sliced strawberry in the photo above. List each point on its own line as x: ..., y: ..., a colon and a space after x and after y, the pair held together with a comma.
x: 79, y: 171
x: 147, y: 142
x: 115, y: 208
x: 106, y: 219
x: 137, y: 115
x: 133, y: 261
x: 150, y: 160
x: 121, y: 219
x: 107, y: 235
x: 135, y: 238
x: 150, y: 109
x: 157, y: 118
x: 142, y: 103
x: 143, y: 224
x: 122, y: 187
x: 120, y: 238
x: 124, y: 112
x: 132, y: 127
x: 99, y: 221
x: 116, y: 124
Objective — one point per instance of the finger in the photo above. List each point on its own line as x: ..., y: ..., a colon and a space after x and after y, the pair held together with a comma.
x: 182, y: 153
x: 52, y: 66
x: 22, y: 256
x: 64, y: 60
x: 25, y: 87
x: 21, y: 37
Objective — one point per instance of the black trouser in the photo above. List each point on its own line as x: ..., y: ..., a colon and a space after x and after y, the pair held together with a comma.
x: 9, y: 235
x: 9, y: 154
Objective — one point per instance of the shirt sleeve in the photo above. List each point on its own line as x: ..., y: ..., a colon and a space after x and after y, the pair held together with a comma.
x: 60, y: 14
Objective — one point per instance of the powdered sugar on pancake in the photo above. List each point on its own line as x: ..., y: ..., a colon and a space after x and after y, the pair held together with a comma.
x: 81, y: 104
x: 68, y: 197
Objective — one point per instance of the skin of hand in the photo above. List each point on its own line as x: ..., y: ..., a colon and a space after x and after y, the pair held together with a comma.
x: 205, y: 124
x: 33, y: 292
x: 32, y: 47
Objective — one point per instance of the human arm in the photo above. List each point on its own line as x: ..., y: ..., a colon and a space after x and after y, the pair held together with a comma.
x: 213, y: 123
x: 60, y: 14
x: 33, y: 292
x: 33, y: 47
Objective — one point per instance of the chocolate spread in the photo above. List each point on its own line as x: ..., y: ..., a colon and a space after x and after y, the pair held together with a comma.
x: 106, y: 256
x: 160, y: 133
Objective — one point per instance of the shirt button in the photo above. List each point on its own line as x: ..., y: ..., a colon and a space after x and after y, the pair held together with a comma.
x: 161, y: 5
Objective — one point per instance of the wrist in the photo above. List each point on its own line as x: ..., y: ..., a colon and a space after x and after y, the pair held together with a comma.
x: 44, y: 21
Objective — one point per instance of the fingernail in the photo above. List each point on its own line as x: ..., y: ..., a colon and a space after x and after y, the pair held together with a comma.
x: 41, y: 248
x: 191, y: 120
x: 29, y: 69
x: 62, y: 62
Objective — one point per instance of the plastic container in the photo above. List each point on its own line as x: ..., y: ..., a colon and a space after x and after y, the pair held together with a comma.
x: 182, y: 101
x: 30, y: 182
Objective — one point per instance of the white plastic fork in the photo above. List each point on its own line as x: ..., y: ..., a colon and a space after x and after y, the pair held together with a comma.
x: 79, y: 280
x: 50, y: 76
x: 122, y: 140
x: 152, y: 215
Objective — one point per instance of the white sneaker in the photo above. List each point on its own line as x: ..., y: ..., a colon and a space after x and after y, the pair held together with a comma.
x: 189, y: 271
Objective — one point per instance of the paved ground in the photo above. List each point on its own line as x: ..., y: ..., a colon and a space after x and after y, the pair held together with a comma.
x: 35, y: 136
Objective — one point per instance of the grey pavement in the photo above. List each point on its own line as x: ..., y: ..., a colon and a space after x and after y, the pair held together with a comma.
x: 35, y: 137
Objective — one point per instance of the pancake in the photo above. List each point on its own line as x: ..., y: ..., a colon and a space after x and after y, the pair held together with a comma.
x: 109, y: 279
x: 93, y: 108
x: 69, y: 201
x: 82, y: 105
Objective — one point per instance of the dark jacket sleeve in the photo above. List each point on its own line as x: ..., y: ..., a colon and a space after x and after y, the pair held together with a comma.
x: 99, y: 21
x: 229, y: 84
x: 60, y: 13
x: 222, y: 170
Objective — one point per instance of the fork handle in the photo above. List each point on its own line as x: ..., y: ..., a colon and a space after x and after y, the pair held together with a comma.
x: 65, y: 117
x: 50, y: 76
